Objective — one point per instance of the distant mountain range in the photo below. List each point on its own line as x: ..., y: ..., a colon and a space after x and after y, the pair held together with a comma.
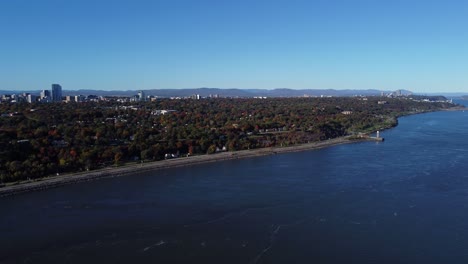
x: 232, y: 92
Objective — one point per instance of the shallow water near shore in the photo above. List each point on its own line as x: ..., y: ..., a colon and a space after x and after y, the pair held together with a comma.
x: 401, y: 201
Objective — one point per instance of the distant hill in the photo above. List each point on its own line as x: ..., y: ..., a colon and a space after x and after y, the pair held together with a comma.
x: 231, y: 92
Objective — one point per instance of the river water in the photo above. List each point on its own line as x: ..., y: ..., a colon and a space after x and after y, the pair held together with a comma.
x: 404, y: 200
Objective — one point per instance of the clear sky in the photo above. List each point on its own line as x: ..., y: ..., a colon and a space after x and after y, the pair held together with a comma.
x: 419, y: 45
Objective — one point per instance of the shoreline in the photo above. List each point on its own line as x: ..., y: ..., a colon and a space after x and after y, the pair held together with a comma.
x: 56, y: 181
x: 70, y: 178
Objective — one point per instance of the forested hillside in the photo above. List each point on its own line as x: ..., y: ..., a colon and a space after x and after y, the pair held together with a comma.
x: 42, y: 139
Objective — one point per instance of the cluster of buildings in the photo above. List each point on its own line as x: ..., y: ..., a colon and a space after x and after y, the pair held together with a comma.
x: 55, y: 96
x: 46, y: 96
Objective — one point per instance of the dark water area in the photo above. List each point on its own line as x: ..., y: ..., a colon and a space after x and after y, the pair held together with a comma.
x: 404, y: 200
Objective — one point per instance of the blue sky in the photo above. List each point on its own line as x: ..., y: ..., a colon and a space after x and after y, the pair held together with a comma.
x: 140, y: 44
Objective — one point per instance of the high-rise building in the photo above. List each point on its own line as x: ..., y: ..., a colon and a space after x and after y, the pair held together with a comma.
x: 69, y: 98
x: 45, y: 96
x: 141, y: 96
x: 31, y: 98
x: 79, y: 98
x: 45, y: 93
x: 56, y: 93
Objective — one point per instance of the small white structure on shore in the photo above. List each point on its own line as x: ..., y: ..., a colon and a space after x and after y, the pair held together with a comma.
x: 378, y: 134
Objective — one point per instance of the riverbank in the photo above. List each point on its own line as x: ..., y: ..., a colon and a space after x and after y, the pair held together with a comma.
x: 55, y: 181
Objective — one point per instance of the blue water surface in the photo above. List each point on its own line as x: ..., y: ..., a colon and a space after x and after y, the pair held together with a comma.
x: 404, y: 200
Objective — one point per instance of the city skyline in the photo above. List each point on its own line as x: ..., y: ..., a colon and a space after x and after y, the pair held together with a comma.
x: 142, y: 45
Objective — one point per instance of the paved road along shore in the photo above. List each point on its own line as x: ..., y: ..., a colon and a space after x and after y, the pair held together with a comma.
x: 56, y: 181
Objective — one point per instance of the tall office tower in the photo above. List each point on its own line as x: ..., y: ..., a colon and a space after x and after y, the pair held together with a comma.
x: 141, y: 96
x: 56, y: 93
